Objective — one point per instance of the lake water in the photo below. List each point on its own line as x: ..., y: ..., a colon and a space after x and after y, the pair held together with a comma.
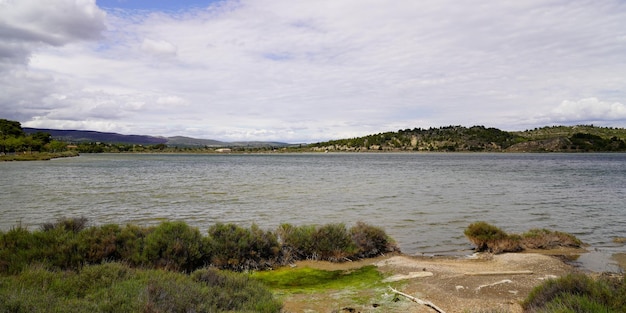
x: 423, y: 200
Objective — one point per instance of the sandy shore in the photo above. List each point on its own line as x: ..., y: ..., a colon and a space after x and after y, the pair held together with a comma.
x: 452, y: 284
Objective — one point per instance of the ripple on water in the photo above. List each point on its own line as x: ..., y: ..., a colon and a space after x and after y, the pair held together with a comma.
x: 424, y: 201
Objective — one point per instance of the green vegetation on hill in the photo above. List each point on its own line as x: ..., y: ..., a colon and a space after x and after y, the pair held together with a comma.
x: 479, y: 138
x: 581, y: 138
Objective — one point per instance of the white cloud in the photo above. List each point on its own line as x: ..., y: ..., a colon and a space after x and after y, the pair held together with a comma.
x: 158, y: 47
x: 589, y: 109
x: 309, y: 71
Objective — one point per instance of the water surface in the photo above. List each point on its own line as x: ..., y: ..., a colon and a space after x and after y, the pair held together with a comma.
x: 424, y: 201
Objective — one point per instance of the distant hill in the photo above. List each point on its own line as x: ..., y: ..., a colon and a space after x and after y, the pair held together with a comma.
x: 180, y: 141
x: 82, y: 136
x: 79, y: 136
x: 479, y: 138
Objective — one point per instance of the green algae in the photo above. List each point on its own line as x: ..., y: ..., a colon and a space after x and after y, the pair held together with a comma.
x: 313, y: 280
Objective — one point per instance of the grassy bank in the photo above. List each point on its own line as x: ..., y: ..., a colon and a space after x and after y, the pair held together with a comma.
x: 69, y: 266
x: 37, y: 156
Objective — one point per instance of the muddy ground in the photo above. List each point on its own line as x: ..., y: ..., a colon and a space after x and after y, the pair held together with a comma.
x: 483, y: 282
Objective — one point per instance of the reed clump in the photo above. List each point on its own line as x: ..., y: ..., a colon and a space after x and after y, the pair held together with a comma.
x: 489, y: 238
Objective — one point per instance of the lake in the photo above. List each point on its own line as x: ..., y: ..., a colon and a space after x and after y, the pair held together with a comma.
x: 423, y: 200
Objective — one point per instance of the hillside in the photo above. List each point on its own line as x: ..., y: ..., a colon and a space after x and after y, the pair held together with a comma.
x: 80, y: 136
x: 581, y: 138
x: 88, y: 136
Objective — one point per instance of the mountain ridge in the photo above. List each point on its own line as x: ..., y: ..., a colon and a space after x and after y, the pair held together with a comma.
x: 82, y: 136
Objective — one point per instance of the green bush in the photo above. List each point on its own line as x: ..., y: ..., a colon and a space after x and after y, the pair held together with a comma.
x: 487, y: 237
x: 75, y: 224
x: 100, y: 243
x: 238, y: 248
x: 17, y: 250
x: 297, y: 242
x: 131, y: 242
x: 578, y: 293
x: 371, y: 240
x: 68, y: 245
x: 60, y: 248
x: 490, y: 238
x: 547, y: 239
x: 176, y: 246
x: 236, y: 292
x: 333, y: 243
x: 114, y: 287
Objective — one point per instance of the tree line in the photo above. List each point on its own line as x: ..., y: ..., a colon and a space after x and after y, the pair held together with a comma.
x: 13, y: 139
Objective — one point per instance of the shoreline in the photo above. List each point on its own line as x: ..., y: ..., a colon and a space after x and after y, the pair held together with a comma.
x: 454, y: 284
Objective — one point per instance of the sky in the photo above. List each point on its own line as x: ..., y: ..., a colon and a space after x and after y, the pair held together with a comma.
x: 309, y: 71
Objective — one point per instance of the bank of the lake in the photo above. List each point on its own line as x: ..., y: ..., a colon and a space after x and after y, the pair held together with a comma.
x: 37, y: 156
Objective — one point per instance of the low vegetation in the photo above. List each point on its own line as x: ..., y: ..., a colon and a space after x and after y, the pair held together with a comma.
x: 69, y: 266
x: 38, y: 156
x: 69, y: 244
x: 309, y: 280
x: 578, y: 293
x: 115, y: 287
x: 489, y: 238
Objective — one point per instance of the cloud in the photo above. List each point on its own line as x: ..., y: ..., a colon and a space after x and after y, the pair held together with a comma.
x: 28, y: 24
x: 588, y: 109
x: 310, y: 71
x: 158, y: 47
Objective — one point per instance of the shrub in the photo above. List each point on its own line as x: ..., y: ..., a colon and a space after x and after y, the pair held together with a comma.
x: 297, y: 242
x: 75, y: 224
x: 578, y: 293
x: 333, y: 243
x: 487, y: 237
x: 114, y: 287
x: 98, y: 244
x: 236, y: 292
x: 59, y: 248
x: 370, y: 240
x: 16, y: 250
x: 238, y: 248
x: 176, y: 246
x: 546, y: 239
x: 131, y: 242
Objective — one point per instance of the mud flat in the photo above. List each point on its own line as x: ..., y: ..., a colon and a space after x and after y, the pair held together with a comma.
x: 470, y: 284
